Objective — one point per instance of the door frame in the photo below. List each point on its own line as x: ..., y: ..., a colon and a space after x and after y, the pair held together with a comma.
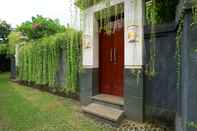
x: 123, y: 58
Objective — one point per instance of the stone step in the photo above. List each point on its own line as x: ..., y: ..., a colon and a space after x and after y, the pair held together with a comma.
x: 104, y: 112
x: 109, y: 100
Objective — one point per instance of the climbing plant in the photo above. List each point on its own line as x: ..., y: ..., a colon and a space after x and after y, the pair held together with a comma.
x: 157, y: 12
x: 39, y: 60
x: 163, y: 11
x: 13, y: 39
x: 178, y: 50
x: 192, y: 124
x: 150, y: 69
x: 160, y: 11
x: 84, y: 4
x: 194, y: 11
x: 73, y: 58
x: 104, y: 16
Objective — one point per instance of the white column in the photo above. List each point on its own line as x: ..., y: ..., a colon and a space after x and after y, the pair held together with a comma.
x: 87, y: 50
x: 134, y: 17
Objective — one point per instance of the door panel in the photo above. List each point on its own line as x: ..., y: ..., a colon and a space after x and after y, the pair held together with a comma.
x: 105, y: 63
x: 118, y: 66
x: 111, y: 62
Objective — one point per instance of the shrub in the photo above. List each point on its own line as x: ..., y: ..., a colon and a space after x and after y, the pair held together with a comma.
x: 40, y: 27
x: 5, y: 29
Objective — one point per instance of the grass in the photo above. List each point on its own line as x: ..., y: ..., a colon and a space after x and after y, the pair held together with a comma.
x: 26, y: 109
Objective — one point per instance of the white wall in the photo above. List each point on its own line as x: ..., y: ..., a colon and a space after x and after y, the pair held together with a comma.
x: 134, y: 16
x: 88, y: 31
x: 133, y: 51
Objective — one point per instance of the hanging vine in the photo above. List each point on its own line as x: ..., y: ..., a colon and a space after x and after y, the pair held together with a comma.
x: 192, y: 124
x: 194, y: 12
x: 39, y: 60
x: 157, y: 12
x: 164, y: 11
x: 73, y: 58
x: 178, y: 50
x: 150, y: 69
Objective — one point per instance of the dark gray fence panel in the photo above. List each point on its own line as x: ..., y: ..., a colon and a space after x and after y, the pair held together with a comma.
x: 160, y: 91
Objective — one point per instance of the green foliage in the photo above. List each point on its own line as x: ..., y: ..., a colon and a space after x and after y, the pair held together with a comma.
x: 194, y: 11
x: 150, y: 69
x: 163, y: 11
x: 178, y: 50
x: 73, y: 57
x: 13, y: 39
x: 104, y: 16
x: 39, y: 60
x: 160, y: 11
x: 192, y: 124
x: 3, y: 49
x: 5, y: 29
x: 83, y: 4
x: 39, y: 27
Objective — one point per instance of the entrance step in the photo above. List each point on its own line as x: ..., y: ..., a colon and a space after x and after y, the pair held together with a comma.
x: 104, y: 112
x: 109, y: 100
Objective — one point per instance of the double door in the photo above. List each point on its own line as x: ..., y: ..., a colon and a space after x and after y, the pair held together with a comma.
x: 111, y: 62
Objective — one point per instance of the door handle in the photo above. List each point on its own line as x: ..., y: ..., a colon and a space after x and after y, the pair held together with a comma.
x: 111, y: 55
x: 115, y: 55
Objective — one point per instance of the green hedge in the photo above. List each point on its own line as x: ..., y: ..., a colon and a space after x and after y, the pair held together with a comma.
x: 39, y: 60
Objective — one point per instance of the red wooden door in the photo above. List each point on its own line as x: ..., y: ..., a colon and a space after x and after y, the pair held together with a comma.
x: 111, y: 62
x: 105, y: 63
